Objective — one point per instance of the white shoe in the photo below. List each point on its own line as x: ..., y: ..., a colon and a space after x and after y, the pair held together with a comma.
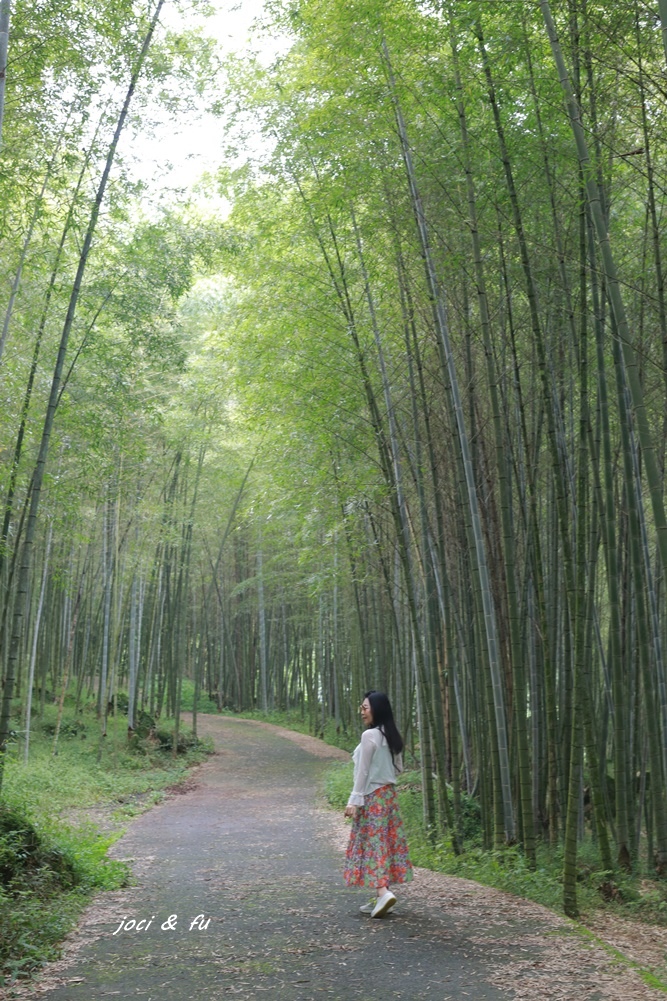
x: 368, y: 908
x: 383, y: 904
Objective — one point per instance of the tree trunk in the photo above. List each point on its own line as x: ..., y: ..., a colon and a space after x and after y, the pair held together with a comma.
x: 5, y: 10
x: 26, y: 560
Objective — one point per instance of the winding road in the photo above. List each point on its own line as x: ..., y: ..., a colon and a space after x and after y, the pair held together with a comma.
x: 237, y: 893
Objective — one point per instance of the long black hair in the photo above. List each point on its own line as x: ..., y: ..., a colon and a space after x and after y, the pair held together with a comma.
x: 383, y: 719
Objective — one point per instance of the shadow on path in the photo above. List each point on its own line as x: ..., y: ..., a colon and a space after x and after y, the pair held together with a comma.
x: 238, y: 893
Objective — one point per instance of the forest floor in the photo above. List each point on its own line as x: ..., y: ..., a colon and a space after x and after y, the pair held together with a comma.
x: 237, y: 881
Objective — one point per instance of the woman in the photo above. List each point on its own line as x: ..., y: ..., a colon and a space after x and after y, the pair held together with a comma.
x: 377, y: 853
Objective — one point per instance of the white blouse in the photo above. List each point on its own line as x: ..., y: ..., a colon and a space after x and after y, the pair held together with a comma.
x: 373, y: 766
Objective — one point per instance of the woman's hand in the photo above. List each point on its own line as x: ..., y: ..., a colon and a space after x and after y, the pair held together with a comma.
x: 351, y: 811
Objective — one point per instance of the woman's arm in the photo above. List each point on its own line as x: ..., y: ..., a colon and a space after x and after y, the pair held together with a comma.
x: 369, y: 745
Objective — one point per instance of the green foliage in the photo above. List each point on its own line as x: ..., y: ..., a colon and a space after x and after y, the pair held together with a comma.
x: 88, y: 769
x: 27, y: 860
x: 159, y: 741
x: 51, y: 856
x: 46, y: 874
x: 68, y: 728
x: 165, y: 741
x: 295, y: 719
x: 333, y: 733
x: 652, y: 981
x: 338, y: 783
x: 204, y: 704
x: 507, y: 868
x: 643, y: 898
x: 31, y: 929
x: 409, y: 791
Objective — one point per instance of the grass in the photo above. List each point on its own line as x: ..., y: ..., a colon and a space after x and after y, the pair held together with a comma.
x: 89, y: 769
x: 637, y: 896
x: 294, y: 719
x: 204, y: 704
x: 49, y: 797
x: 52, y: 858
x: 506, y: 869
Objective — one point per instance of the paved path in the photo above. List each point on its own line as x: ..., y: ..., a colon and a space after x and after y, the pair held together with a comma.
x: 238, y: 893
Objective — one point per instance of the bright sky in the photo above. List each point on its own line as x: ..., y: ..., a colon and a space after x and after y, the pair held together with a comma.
x: 183, y: 148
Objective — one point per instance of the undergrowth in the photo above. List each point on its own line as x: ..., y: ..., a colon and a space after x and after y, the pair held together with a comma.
x: 507, y: 868
x: 51, y: 856
x: 52, y: 859
x: 204, y: 703
x: 639, y: 895
x: 294, y: 719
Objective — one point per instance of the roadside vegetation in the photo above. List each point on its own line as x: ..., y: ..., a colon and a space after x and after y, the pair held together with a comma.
x: 60, y: 814
x: 388, y: 409
x: 639, y: 896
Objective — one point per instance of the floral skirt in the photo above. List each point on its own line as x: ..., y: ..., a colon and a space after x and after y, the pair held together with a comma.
x: 377, y: 851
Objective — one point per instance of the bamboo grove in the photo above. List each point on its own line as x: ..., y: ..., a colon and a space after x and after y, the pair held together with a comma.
x: 397, y: 421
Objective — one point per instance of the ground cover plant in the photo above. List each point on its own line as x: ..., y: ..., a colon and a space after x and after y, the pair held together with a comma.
x: 60, y: 814
x: 397, y: 420
x: 388, y: 409
x: 506, y: 868
x: 301, y: 721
